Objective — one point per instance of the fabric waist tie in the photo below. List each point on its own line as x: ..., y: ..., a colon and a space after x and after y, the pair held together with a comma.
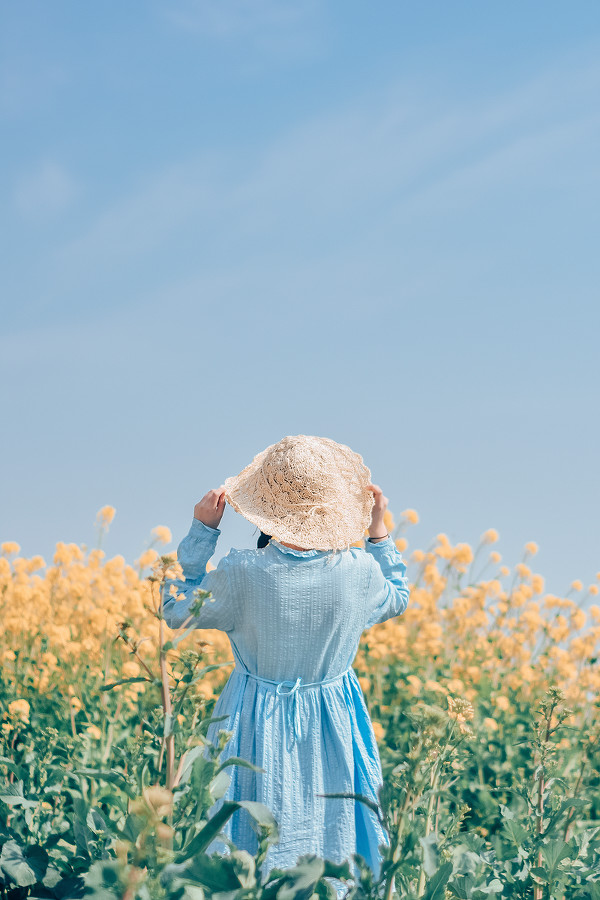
x: 293, y: 712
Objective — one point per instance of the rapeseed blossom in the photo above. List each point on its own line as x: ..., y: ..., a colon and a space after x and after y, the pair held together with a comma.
x: 60, y: 622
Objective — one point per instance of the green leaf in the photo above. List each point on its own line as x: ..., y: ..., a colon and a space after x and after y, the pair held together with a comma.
x: 361, y: 799
x: 219, y: 784
x: 462, y: 887
x: 336, y: 870
x: 113, y: 777
x: 430, y: 853
x: 259, y: 812
x: 213, y: 872
x: 95, y: 822
x: 200, y: 842
x: 436, y: 886
x: 300, y: 881
x: 23, y: 866
x: 114, y: 684
x: 238, y: 761
x: 5, y: 761
x: 515, y: 832
x: 12, y: 795
x: 554, y: 853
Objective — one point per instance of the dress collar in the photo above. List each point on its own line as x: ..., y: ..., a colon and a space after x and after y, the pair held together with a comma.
x: 303, y: 553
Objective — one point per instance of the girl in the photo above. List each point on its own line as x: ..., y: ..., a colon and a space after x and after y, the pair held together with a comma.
x: 294, y: 610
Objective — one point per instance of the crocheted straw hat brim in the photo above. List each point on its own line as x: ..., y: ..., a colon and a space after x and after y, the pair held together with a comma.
x: 305, y: 490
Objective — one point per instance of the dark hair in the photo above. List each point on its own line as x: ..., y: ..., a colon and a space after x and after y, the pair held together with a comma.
x: 263, y: 540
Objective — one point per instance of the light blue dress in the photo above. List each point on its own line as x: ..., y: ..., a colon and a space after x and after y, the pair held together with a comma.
x: 294, y: 619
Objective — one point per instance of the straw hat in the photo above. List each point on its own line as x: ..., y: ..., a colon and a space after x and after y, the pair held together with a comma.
x: 305, y: 490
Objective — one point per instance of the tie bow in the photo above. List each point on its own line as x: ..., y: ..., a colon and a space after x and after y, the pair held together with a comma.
x: 294, y: 723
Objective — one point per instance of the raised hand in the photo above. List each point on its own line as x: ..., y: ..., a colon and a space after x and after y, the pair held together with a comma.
x: 377, y: 527
x: 210, y: 509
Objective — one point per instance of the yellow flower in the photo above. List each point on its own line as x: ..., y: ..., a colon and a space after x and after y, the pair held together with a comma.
x: 523, y: 570
x: 418, y: 555
x: 593, y: 589
x: 502, y: 703
x: 495, y: 556
x: 537, y: 583
x: 504, y: 570
x: 531, y: 547
x: 19, y: 709
x: 411, y: 516
x: 576, y: 585
x: 365, y: 683
x: 378, y: 730
x: 462, y: 554
x: 164, y: 832
x: 37, y: 562
x: 159, y: 799
x: 461, y: 709
x: 490, y: 536
x: 401, y: 544
x: 105, y: 515
x: 147, y: 558
x: 163, y: 534
x: 388, y: 520
x: 415, y: 682
x: 9, y: 547
x: 578, y: 619
x: 94, y: 732
x: 490, y: 724
x: 431, y: 685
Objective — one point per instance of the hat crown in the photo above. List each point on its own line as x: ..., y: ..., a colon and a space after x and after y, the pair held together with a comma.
x: 302, y: 468
x: 306, y: 490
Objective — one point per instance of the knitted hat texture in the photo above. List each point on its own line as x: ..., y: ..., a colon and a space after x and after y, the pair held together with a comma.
x: 305, y: 490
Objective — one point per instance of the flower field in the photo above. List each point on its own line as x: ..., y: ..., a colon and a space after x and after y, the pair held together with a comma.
x: 483, y: 695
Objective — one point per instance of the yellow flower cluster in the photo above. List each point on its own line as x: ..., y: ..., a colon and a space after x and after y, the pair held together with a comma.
x: 506, y: 635
x: 59, y: 625
x: 465, y: 618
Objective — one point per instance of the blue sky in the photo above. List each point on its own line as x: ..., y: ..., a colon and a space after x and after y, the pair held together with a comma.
x: 228, y: 221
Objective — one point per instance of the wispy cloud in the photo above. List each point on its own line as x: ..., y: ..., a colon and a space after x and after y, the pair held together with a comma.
x: 45, y: 192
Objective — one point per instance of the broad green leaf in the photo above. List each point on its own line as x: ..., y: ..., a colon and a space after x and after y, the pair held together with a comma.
x: 213, y: 872
x: 300, y: 880
x: 12, y: 795
x: 436, y: 886
x: 219, y: 785
x: 23, y: 866
x: 238, y: 761
x: 430, y: 853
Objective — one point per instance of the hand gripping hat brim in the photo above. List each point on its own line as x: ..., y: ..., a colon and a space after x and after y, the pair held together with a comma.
x: 305, y: 490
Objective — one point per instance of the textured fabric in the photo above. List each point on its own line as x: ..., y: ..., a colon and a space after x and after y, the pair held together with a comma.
x: 294, y: 619
x: 306, y: 490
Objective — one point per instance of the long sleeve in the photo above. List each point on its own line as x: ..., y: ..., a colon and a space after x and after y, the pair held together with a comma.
x: 193, y: 553
x: 388, y: 590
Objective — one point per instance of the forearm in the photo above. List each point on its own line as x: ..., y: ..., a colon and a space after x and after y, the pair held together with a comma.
x: 393, y: 568
x: 193, y: 554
